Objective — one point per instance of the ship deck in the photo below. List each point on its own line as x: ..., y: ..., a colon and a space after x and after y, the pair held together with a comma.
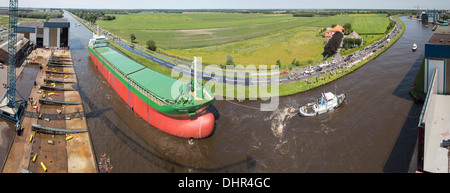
x: 160, y: 85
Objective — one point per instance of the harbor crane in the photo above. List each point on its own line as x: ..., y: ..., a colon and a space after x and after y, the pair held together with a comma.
x: 9, y: 107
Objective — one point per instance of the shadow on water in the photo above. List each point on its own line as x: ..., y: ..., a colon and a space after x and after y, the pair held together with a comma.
x: 405, y: 84
x: 76, y: 44
x: 400, y: 158
x: 152, y: 157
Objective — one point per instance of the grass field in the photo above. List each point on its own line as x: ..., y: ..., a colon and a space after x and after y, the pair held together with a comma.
x: 257, y: 39
x: 369, y: 23
x: 5, y: 20
x: 190, y: 30
x: 300, y: 43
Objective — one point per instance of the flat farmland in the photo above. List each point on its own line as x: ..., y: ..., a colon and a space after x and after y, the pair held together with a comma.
x: 369, y: 23
x: 191, y: 29
x: 257, y: 39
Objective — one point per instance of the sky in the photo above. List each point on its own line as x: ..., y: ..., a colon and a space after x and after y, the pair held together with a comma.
x: 234, y: 4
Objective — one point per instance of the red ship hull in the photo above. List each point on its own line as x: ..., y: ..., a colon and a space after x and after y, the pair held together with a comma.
x: 197, y: 126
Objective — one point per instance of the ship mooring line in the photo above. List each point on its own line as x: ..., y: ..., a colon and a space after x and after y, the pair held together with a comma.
x: 246, y: 106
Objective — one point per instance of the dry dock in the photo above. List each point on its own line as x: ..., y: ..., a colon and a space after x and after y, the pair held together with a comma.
x: 54, y: 137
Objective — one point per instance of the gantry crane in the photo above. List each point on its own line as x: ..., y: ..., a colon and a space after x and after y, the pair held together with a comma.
x: 11, y: 109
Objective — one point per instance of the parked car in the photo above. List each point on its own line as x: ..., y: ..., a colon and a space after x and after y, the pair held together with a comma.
x: 308, y: 71
x: 1, y: 65
x: 284, y: 72
x: 319, y: 69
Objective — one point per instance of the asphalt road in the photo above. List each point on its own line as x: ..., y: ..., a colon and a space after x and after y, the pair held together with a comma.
x: 236, y: 80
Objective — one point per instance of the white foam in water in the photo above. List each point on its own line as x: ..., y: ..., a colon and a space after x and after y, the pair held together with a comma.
x: 280, y: 118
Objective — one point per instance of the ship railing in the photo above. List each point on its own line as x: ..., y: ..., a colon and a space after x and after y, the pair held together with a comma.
x: 143, y: 91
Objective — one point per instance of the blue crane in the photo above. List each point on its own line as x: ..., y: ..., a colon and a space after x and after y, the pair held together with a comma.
x: 10, y: 96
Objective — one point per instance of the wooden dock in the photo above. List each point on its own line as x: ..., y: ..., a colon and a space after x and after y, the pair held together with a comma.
x: 58, y: 152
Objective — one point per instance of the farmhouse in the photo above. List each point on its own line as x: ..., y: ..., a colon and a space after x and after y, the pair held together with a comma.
x: 330, y: 32
x: 354, y: 35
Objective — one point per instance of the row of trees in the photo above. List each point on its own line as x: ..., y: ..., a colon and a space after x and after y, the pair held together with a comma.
x: 390, y: 26
x: 351, y: 42
x: 333, y: 44
x: 92, y: 15
x: 109, y: 17
x: 331, y: 12
x: 41, y: 14
x: 88, y: 15
x: 303, y: 14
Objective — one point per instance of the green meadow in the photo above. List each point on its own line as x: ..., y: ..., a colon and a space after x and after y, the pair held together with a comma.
x: 252, y: 39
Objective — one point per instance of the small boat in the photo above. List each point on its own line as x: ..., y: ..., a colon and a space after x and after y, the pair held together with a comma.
x: 414, y: 48
x: 326, y: 103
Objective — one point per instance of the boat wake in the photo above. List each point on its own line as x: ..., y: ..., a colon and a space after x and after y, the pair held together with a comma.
x: 279, y: 119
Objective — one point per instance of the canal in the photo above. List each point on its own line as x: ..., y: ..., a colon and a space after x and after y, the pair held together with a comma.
x: 374, y: 131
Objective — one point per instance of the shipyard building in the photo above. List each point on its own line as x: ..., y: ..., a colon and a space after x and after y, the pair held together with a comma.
x: 437, y: 56
x: 434, y: 122
x: 53, y: 33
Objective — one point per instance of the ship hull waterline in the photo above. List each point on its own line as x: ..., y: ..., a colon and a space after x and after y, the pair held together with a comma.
x: 196, y: 126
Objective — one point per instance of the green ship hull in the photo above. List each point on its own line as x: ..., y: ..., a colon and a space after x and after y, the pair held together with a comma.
x: 163, y: 93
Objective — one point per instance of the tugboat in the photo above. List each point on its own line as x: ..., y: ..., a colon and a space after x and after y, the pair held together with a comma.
x: 328, y: 102
x: 414, y: 47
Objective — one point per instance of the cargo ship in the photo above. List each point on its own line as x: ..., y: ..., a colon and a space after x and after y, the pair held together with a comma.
x: 172, y: 106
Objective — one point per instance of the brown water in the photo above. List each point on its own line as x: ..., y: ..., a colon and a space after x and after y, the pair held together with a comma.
x: 374, y: 132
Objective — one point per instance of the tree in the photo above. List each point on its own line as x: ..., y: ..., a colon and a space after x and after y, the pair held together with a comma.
x: 347, y: 28
x: 151, y: 45
x: 293, y: 61
x: 230, y: 60
x: 132, y: 37
x: 278, y: 63
x: 333, y: 44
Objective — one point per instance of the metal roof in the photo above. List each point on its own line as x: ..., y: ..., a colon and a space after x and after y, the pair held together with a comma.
x: 57, y: 23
